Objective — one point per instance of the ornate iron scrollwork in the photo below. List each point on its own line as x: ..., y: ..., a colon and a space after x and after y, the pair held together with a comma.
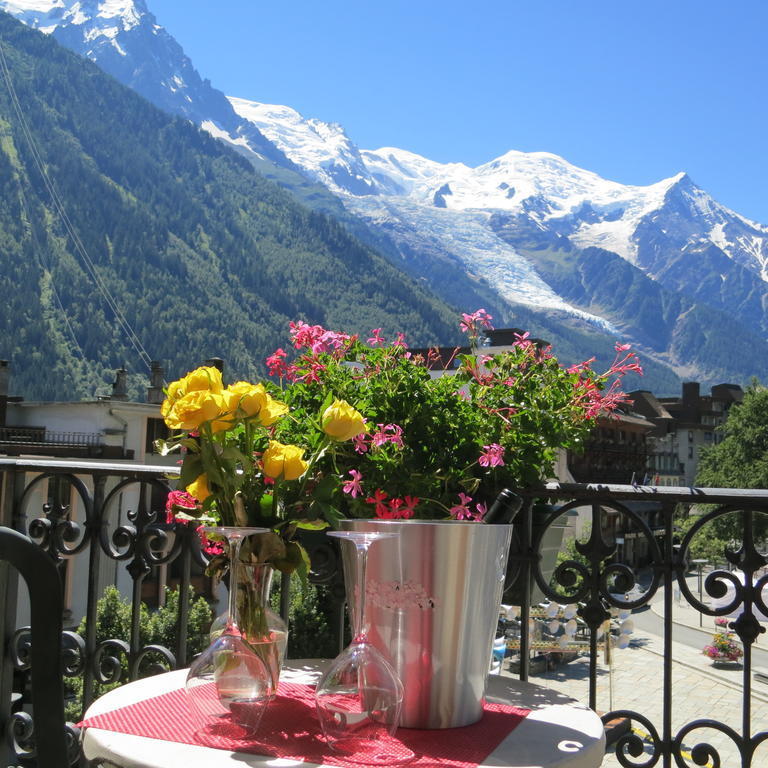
x: 631, y: 745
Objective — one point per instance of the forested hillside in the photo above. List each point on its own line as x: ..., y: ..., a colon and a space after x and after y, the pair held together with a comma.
x: 202, y: 255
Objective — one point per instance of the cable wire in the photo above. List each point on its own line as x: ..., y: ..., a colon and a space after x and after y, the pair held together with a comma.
x: 79, y: 247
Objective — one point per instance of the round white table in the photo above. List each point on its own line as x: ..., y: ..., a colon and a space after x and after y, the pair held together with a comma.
x: 558, y: 733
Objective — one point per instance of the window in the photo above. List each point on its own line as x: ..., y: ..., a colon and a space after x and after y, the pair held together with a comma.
x: 156, y: 430
x: 690, y: 452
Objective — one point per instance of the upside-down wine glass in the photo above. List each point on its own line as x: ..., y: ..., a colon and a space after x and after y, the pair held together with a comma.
x: 359, y: 697
x: 229, y: 685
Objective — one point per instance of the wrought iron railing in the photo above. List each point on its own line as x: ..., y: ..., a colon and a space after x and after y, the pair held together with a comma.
x: 91, y: 516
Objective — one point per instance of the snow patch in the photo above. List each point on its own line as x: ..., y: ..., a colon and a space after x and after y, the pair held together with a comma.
x: 220, y: 133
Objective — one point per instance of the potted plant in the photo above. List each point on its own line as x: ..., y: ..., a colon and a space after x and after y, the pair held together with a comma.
x: 438, y: 448
x: 723, y: 650
x: 367, y: 432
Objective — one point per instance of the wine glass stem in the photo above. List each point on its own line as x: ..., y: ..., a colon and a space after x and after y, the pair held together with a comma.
x: 360, y: 625
x: 234, y: 568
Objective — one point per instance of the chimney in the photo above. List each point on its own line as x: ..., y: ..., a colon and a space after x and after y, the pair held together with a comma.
x: 120, y: 385
x: 155, y: 392
x: 691, y: 394
x: 215, y: 362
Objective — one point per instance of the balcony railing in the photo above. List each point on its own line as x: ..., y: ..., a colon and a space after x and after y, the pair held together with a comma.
x: 39, y: 441
x: 91, y: 517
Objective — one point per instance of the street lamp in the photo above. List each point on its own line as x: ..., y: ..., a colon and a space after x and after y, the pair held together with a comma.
x: 699, y: 562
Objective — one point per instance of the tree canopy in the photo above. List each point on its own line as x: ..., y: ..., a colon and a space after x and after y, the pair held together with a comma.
x: 740, y: 459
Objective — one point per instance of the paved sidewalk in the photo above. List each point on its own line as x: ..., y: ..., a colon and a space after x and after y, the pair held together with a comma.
x: 634, y: 681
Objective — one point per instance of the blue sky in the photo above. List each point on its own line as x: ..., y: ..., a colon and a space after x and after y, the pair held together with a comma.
x: 634, y: 91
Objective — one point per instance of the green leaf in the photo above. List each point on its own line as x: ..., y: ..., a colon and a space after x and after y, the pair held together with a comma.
x: 312, y: 525
x: 326, y: 489
x: 164, y: 447
x: 191, y: 469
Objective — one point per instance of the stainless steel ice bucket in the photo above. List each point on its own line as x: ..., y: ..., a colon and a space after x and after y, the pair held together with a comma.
x: 432, y: 603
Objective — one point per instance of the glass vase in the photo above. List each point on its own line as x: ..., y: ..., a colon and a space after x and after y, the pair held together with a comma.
x: 264, y: 629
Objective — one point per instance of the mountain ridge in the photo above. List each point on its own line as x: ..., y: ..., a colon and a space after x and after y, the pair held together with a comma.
x: 474, y: 234
x: 203, y: 255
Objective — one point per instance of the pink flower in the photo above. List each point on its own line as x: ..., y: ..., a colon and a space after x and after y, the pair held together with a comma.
x: 276, y: 363
x: 209, y: 547
x: 316, y: 338
x: 461, y: 510
x: 312, y: 374
x: 304, y: 335
x: 400, y: 340
x: 522, y: 340
x: 472, y: 323
x: 388, y: 433
x: 178, y: 500
x: 492, y: 456
x: 353, y: 487
x: 376, y: 337
x: 361, y: 442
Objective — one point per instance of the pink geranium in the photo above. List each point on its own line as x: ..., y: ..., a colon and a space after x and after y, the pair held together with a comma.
x: 179, y: 501
x: 210, y: 547
x: 492, y: 456
x: 353, y: 487
x: 276, y: 363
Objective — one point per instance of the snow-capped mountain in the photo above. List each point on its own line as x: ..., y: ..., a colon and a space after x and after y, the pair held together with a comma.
x: 480, y: 215
x: 125, y: 40
x: 527, y: 235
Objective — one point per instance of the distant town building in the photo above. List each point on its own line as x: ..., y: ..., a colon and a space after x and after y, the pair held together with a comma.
x: 682, y: 427
x: 110, y: 428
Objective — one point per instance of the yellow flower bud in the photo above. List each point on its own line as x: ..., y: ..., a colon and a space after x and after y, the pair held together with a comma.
x: 199, y: 488
x: 284, y: 461
x: 271, y: 411
x: 342, y: 422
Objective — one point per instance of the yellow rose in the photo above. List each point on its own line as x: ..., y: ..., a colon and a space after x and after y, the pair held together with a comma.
x: 206, y: 378
x: 176, y: 390
x: 246, y: 399
x: 271, y: 411
x: 199, y: 380
x: 342, y: 422
x: 284, y: 461
x: 199, y: 488
x: 195, y: 408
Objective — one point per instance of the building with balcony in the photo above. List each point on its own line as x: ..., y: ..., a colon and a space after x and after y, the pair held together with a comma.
x: 111, y: 429
x: 682, y: 427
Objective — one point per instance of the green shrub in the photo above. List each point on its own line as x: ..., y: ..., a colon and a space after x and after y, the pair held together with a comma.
x: 113, y: 621
x: 310, y: 635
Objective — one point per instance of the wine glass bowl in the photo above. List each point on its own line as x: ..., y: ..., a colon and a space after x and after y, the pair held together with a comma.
x: 229, y: 688
x: 358, y: 698
x: 229, y: 685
